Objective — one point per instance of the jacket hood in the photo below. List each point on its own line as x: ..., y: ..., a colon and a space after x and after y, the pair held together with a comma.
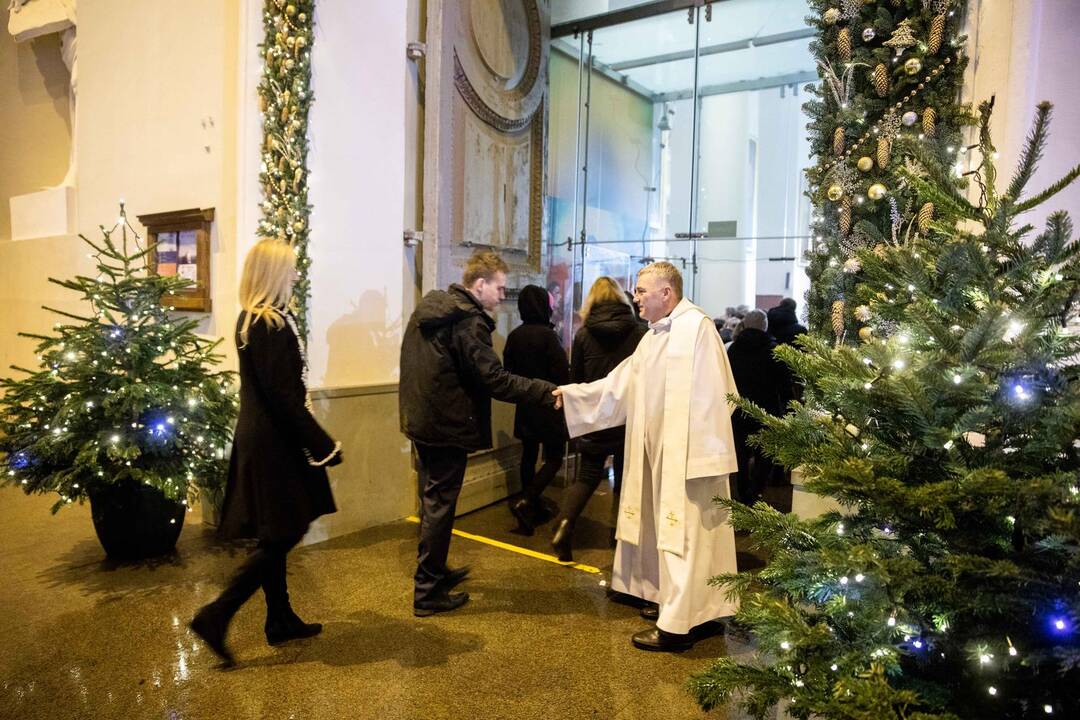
x: 446, y: 307
x: 534, y: 305
x: 610, y: 321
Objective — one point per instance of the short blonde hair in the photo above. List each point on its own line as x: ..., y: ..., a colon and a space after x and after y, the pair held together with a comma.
x: 266, y: 284
x: 483, y: 264
x: 604, y: 290
x: 667, y: 272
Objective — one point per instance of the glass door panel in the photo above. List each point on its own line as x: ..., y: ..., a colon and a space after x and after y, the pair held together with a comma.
x: 640, y: 149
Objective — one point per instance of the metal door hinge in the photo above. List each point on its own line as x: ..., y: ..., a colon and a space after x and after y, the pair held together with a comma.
x: 413, y: 237
x: 416, y: 51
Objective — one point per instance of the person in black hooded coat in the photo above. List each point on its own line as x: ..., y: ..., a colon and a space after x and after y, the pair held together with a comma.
x: 610, y: 334
x: 533, y: 351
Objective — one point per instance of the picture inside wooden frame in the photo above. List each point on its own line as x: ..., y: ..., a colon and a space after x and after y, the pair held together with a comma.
x: 181, y: 246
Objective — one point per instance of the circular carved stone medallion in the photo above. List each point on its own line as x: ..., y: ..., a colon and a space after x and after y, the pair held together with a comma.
x: 500, y: 59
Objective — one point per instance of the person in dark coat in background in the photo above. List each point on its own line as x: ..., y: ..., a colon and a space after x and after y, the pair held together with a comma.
x: 609, y: 335
x: 277, y: 481
x: 449, y: 373
x: 784, y: 324
x: 764, y: 380
x: 533, y: 351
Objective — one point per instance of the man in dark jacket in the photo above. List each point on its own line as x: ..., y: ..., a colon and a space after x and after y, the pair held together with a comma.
x: 784, y: 324
x: 764, y: 380
x: 449, y: 373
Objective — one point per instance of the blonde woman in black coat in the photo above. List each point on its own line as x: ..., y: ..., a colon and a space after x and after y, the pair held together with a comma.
x: 609, y: 334
x: 277, y: 480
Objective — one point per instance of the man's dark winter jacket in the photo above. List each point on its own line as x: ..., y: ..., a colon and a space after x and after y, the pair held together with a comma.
x: 610, y: 334
x: 533, y: 351
x: 450, y: 372
x: 759, y: 376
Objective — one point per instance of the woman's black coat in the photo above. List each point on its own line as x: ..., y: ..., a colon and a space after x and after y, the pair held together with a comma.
x: 610, y: 334
x: 272, y: 491
x: 533, y: 351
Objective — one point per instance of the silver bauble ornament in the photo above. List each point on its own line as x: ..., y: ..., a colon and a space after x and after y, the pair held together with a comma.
x: 909, y: 118
x: 868, y: 34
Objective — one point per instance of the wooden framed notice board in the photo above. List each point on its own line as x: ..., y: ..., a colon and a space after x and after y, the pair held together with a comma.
x: 180, y: 241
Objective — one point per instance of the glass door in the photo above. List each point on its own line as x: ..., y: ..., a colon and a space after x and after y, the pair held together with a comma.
x: 687, y: 140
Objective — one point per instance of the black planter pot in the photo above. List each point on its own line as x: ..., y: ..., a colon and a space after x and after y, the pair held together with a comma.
x: 135, y: 521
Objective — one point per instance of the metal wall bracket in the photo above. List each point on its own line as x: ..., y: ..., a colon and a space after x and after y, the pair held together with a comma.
x: 416, y: 51
x: 413, y: 238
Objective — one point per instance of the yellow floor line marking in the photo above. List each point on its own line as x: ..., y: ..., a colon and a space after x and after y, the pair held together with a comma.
x: 519, y: 550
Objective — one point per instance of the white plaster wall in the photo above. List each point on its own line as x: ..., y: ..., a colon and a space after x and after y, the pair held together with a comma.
x: 357, y: 190
x: 1023, y: 52
x: 156, y: 113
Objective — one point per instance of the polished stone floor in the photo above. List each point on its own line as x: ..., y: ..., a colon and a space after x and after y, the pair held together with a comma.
x: 85, y: 638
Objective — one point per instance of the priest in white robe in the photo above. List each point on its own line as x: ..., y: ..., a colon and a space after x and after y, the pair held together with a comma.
x: 672, y: 396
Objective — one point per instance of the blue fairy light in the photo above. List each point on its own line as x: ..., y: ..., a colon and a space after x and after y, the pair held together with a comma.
x: 19, y: 461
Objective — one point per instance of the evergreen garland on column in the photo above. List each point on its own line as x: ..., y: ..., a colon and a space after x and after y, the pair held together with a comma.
x: 284, y: 100
x: 890, y: 69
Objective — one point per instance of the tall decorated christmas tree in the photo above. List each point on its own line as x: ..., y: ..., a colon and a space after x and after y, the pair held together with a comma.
x: 891, y: 72
x: 949, y: 587
x: 125, y: 395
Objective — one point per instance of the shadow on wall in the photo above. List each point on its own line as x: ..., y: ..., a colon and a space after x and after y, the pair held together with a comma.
x: 364, y: 344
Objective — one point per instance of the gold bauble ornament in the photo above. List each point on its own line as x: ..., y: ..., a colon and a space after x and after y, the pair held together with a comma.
x: 831, y: 16
x: 926, y: 216
x: 881, y: 80
x: 843, y: 44
x: 866, y: 334
x: 302, y: 17
x: 929, y: 122
x: 866, y: 163
x: 845, y: 216
x: 838, y: 141
x: 937, y: 34
x: 913, y: 66
x: 290, y: 10
x: 884, y: 151
x: 835, y: 192
x: 876, y: 191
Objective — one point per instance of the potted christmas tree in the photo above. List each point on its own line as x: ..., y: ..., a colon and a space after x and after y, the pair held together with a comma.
x: 124, y: 409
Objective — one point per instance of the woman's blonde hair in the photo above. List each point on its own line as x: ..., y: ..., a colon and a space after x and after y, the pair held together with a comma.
x: 604, y: 290
x: 266, y: 285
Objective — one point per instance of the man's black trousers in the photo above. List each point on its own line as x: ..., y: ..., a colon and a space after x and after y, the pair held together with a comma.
x: 441, y: 471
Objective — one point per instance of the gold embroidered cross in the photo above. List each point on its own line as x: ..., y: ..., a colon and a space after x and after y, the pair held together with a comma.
x: 672, y: 519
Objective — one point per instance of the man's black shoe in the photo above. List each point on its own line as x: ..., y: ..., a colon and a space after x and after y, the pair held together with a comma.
x: 210, y: 627
x: 453, y: 578
x: 446, y: 603
x: 650, y: 612
x: 660, y: 641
